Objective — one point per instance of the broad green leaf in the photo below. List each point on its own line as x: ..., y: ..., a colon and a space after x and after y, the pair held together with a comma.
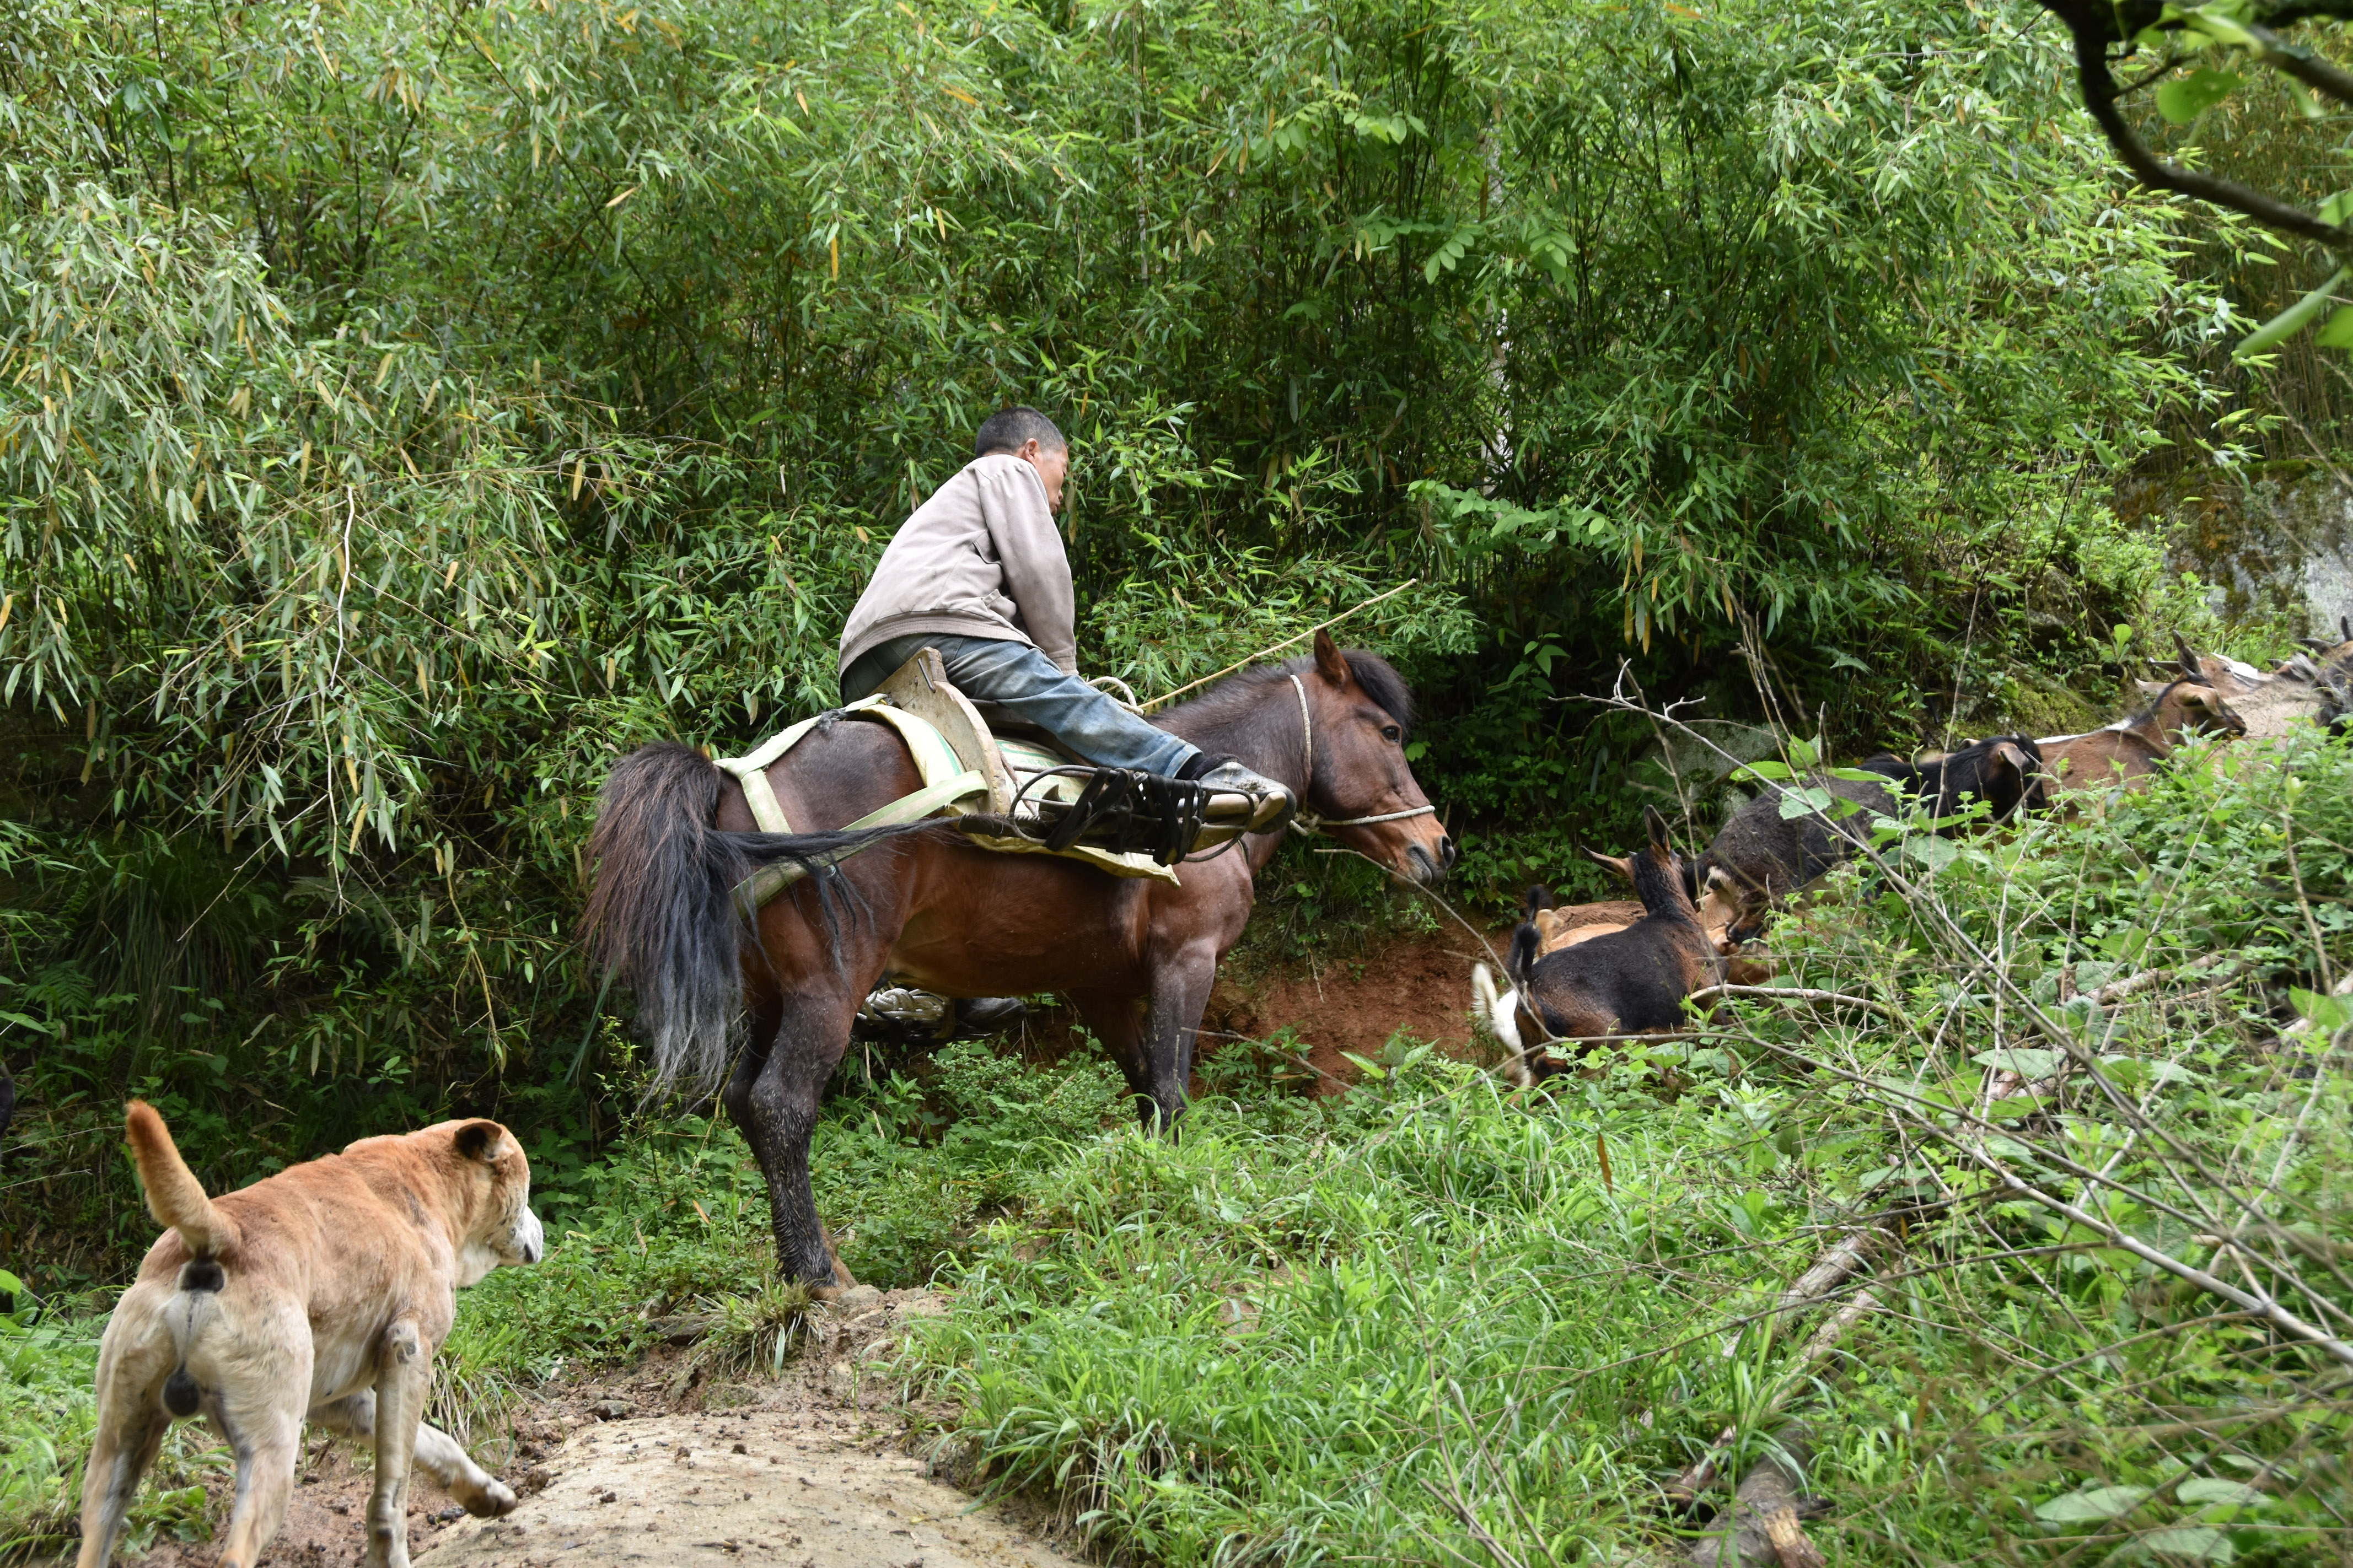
x: 1370, y: 1068
x: 2337, y: 208
x: 1859, y: 775
x: 2328, y: 1014
x: 2338, y: 332
x: 1931, y: 853
x: 1807, y: 800
x: 2184, y: 99
x: 2194, y: 1542
x: 10, y: 1284
x: 2098, y: 1502
x: 2026, y: 1062
x: 2292, y: 321
x: 2217, y: 24
x: 1759, y: 772
x: 2210, y: 1488
x: 1803, y: 754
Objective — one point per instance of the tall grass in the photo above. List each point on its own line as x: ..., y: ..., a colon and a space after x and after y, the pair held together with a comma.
x: 1439, y: 1323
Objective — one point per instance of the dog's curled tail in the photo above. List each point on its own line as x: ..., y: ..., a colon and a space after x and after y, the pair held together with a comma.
x: 174, y: 1195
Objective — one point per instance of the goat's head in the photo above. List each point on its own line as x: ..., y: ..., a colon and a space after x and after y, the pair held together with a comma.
x: 2013, y: 779
x: 2192, y: 707
x: 1655, y: 869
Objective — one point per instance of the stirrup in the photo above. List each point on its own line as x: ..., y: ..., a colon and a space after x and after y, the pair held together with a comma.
x: 1123, y: 810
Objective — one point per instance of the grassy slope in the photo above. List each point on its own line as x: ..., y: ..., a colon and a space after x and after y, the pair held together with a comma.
x: 1323, y: 1330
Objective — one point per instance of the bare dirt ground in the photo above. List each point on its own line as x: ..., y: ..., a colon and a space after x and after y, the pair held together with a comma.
x: 1418, y: 984
x: 657, y: 1465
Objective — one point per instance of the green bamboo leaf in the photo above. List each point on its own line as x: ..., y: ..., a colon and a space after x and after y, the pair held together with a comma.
x: 2186, y: 98
x: 2292, y: 321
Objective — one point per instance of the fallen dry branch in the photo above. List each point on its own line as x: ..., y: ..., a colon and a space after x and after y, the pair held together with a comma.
x: 1761, y: 1526
x: 1832, y: 1269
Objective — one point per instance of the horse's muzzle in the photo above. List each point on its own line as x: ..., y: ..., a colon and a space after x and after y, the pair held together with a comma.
x: 1430, y: 870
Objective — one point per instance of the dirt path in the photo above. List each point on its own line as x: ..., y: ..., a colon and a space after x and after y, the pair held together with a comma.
x: 811, y: 1489
x: 661, y: 1465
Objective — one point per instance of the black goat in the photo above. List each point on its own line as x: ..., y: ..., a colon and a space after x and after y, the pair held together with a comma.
x: 1760, y: 856
x: 1628, y: 982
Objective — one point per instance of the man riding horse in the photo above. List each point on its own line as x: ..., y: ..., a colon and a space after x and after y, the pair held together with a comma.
x: 759, y: 993
x: 978, y: 573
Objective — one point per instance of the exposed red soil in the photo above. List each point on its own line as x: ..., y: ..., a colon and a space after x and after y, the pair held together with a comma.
x: 1420, y: 985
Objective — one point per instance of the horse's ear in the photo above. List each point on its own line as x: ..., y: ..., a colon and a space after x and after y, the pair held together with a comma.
x: 1328, y: 662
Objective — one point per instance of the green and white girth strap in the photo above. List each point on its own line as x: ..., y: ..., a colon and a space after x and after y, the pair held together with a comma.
x: 946, y: 781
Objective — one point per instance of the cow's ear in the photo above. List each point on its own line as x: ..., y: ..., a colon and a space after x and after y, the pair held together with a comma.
x: 483, y: 1141
x: 1329, y: 664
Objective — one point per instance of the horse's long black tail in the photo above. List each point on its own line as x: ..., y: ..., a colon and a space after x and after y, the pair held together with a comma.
x: 663, y: 914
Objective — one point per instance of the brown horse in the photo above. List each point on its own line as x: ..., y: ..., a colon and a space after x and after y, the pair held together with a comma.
x: 1136, y: 956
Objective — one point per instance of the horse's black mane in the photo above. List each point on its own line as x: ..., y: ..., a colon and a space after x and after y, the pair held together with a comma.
x: 1382, y: 683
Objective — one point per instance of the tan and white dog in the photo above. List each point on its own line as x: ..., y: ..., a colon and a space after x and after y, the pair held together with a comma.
x: 319, y: 1294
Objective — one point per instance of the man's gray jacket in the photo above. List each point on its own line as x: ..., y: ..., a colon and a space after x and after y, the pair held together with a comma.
x: 980, y: 559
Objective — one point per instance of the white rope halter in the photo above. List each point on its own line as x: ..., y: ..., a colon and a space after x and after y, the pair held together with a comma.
x: 1306, y: 821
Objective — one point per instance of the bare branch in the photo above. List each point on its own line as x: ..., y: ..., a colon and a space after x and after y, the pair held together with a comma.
x: 2093, y: 28
x: 2322, y: 76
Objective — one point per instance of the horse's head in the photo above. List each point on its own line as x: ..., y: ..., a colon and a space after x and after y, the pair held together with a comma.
x: 1358, y: 711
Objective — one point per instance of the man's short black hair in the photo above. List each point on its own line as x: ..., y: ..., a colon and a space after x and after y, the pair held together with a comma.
x: 1010, y: 429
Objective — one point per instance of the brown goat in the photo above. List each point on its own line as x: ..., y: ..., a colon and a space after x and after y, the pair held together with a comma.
x: 2131, y: 748
x: 2271, y: 702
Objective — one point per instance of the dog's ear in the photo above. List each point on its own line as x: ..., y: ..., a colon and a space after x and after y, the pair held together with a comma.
x: 483, y: 1141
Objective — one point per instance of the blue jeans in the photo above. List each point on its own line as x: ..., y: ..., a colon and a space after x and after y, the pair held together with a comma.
x: 1027, y: 684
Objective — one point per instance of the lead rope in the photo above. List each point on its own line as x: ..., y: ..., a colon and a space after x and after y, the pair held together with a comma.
x: 1306, y: 822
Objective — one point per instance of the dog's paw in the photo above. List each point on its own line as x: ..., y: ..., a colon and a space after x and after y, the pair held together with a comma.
x: 495, y: 1501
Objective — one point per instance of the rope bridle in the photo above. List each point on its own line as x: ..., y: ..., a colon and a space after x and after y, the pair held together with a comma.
x: 1307, y: 822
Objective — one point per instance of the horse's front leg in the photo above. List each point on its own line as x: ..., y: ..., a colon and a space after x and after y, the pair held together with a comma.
x: 1182, y: 986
